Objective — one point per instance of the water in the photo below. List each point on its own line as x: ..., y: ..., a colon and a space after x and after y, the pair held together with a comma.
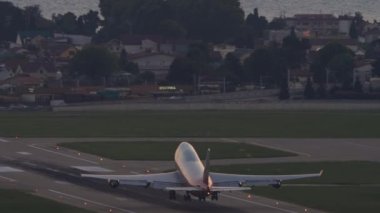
x: 268, y: 8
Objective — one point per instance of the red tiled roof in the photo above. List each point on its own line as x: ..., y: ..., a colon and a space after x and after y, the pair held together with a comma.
x: 23, y: 80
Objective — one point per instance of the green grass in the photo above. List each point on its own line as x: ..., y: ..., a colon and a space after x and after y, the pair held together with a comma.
x: 274, y: 124
x: 357, y: 190
x: 165, y: 150
x: 346, y: 199
x: 21, y: 202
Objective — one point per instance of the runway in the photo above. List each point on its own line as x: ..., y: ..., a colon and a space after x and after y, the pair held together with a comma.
x: 38, y: 165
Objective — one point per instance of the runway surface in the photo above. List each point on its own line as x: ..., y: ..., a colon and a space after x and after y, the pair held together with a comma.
x: 49, y: 171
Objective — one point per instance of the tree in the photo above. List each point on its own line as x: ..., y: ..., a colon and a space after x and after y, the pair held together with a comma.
x: 322, y: 64
x: 309, y: 90
x: 277, y: 24
x: 256, y: 23
x: 341, y: 69
x: 357, y: 26
x: 182, y: 71
x: 127, y: 65
x: 353, y: 31
x: 172, y: 29
x: 284, y: 90
x: 66, y: 23
x: 295, y: 49
x: 376, y: 68
x: 94, y: 62
x: 12, y: 21
x: 373, y: 50
x: 232, y: 69
x: 212, y: 20
x: 358, y: 87
x: 269, y: 64
x: 147, y: 77
x: 88, y: 23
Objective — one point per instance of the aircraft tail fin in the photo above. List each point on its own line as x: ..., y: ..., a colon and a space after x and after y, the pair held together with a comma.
x: 207, y: 168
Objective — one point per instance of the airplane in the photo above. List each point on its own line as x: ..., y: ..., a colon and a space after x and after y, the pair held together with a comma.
x: 194, y: 178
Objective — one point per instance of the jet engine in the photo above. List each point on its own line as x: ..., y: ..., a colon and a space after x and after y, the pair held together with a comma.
x: 277, y: 185
x: 114, y: 183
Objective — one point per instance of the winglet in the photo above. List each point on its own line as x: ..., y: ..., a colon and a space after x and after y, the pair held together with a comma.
x: 207, y: 167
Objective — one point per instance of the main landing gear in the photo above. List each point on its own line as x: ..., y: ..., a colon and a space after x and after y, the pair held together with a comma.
x: 214, y: 195
x: 172, y: 195
x: 187, y: 196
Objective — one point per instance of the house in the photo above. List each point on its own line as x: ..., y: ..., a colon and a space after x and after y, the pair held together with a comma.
x: 115, y: 46
x: 135, y: 44
x: 62, y: 52
x: 321, y: 25
x: 36, y: 69
x: 277, y: 36
x: 76, y: 40
x: 363, y: 71
x: 32, y: 37
x: 4, y: 72
x: 157, y: 63
x: 224, y: 49
x: 21, y: 83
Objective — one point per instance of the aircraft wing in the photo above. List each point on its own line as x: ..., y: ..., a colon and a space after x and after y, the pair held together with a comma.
x: 214, y: 188
x: 232, y: 180
x: 157, y: 181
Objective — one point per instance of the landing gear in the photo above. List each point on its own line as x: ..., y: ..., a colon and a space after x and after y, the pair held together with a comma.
x: 187, y: 196
x: 114, y: 183
x: 172, y: 195
x: 214, y: 196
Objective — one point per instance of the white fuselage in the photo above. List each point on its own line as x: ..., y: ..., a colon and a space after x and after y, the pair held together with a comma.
x: 190, y: 166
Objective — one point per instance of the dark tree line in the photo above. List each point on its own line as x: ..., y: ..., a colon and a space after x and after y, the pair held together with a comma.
x: 212, y: 20
x: 69, y: 23
x: 14, y: 20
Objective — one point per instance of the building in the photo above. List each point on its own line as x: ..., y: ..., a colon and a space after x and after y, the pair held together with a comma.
x: 136, y: 44
x: 277, y: 36
x: 321, y: 25
x: 32, y: 37
x: 4, y: 72
x: 157, y: 63
x: 224, y: 49
x: 363, y: 71
x: 76, y: 40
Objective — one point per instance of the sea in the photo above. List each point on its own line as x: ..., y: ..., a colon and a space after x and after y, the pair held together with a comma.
x: 268, y: 8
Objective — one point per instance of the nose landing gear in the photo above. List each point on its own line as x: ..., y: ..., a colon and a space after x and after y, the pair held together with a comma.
x: 172, y: 195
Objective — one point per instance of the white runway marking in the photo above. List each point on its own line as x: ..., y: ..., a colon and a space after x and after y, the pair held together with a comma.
x: 61, y: 154
x: 8, y: 179
x: 4, y: 169
x: 89, y: 201
x: 3, y: 140
x: 279, y: 148
x: 257, y: 203
x: 24, y: 153
x: 92, y: 168
x: 62, y: 182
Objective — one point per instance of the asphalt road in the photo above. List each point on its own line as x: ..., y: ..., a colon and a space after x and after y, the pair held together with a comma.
x: 53, y: 172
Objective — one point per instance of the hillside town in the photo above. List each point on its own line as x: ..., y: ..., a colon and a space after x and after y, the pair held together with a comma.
x: 330, y: 57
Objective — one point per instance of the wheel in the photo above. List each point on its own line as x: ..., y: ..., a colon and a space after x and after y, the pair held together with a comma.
x: 187, y: 197
x: 172, y: 195
x: 214, y: 196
